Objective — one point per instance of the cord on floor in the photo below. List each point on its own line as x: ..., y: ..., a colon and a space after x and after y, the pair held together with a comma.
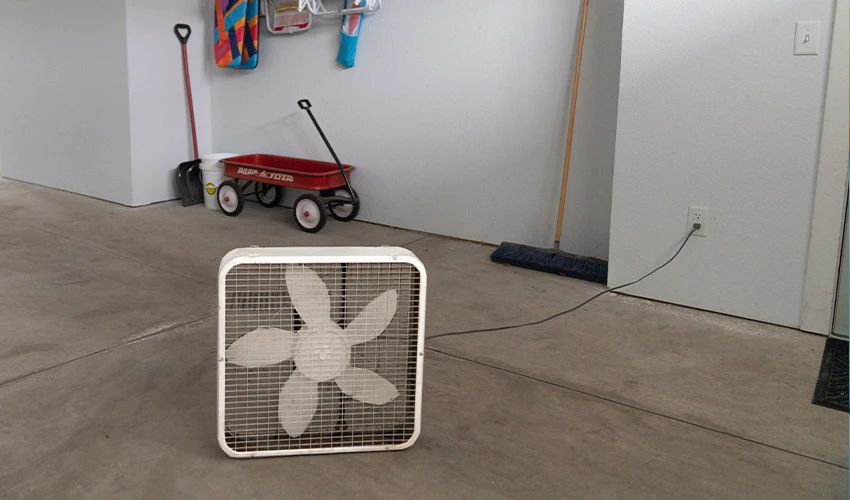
x: 574, y: 308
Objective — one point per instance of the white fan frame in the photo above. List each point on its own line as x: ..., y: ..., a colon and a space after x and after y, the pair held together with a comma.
x: 319, y: 255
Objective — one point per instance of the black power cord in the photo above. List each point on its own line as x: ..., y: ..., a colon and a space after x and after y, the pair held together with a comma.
x: 591, y: 299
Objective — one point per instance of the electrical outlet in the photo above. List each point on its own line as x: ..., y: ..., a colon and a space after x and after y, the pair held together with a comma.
x: 698, y: 215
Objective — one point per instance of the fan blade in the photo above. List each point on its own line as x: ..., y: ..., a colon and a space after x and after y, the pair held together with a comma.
x: 309, y: 295
x: 261, y: 347
x: 373, y: 319
x: 366, y: 385
x: 299, y: 398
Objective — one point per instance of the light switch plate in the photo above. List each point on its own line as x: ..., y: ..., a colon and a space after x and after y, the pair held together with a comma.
x: 807, y: 38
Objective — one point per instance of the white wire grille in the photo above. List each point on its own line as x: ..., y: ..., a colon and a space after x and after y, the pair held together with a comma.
x: 320, y: 356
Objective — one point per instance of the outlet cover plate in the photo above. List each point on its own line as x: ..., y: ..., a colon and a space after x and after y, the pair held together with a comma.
x: 698, y: 214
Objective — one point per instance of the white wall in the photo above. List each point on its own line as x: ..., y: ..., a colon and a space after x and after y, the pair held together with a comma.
x: 159, y: 120
x: 455, y: 114
x: 715, y: 110
x: 829, y: 209
x: 587, y: 216
x: 64, y: 113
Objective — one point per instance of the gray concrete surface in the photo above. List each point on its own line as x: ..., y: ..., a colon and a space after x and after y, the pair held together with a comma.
x: 107, y: 375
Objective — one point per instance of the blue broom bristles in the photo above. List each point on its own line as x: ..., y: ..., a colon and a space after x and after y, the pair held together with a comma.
x: 551, y: 261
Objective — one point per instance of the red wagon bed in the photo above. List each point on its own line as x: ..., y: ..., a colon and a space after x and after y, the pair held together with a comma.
x: 285, y: 171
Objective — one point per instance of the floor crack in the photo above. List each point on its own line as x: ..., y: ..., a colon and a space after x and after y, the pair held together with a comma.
x: 417, y: 240
x: 633, y: 407
x: 104, y: 250
x: 129, y: 341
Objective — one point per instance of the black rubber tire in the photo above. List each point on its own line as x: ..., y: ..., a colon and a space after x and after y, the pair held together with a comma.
x: 259, y: 188
x: 240, y: 198
x: 345, y: 217
x: 323, y: 217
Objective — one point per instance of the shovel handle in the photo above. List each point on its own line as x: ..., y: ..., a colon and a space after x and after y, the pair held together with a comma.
x: 183, y: 38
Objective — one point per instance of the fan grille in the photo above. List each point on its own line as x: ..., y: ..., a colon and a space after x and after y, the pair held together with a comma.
x: 256, y: 296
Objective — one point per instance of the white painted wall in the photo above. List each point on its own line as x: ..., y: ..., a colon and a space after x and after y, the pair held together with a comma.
x: 829, y: 209
x: 455, y: 114
x: 64, y: 113
x: 587, y: 216
x: 714, y: 110
x: 159, y: 120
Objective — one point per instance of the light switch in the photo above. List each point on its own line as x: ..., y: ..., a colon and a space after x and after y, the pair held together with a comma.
x: 807, y: 38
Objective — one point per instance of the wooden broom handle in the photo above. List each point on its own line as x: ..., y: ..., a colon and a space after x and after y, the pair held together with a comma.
x: 570, y: 126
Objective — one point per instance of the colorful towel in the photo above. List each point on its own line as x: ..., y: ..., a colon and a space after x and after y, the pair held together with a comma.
x: 229, y: 33
x: 251, y: 44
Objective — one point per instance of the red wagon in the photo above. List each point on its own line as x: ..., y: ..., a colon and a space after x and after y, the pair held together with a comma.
x: 270, y: 174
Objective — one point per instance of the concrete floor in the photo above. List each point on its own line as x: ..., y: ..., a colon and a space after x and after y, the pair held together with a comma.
x: 107, y: 375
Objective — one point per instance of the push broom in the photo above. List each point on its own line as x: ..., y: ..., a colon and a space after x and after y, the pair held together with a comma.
x: 554, y: 260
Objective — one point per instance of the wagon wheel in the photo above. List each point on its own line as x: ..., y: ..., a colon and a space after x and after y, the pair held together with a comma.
x: 309, y: 213
x: 231, y: 201
x: 345, y: 211
x: 269, y: 195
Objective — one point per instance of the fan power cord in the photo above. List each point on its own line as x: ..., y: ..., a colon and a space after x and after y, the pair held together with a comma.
x: 696, y: 228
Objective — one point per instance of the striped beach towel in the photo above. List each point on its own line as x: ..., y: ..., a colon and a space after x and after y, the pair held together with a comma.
x: 229, y: 34
x: 251, y: 44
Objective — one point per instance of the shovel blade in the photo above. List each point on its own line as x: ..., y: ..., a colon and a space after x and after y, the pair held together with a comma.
x: 189, y: 183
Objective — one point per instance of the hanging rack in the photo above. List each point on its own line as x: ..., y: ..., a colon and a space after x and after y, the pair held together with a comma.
x: 308, y: 8
x: 297, y: 21
x: 318, y: 9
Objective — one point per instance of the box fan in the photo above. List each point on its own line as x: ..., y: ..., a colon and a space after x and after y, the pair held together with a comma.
x: 320, y: 350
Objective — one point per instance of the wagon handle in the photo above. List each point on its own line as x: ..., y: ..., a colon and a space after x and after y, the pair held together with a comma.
x: 305, y: 105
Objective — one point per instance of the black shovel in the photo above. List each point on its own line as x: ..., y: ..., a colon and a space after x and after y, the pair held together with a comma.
x: 189, y: 183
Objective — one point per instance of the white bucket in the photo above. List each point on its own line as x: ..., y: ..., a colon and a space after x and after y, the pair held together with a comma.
x: 212, y: 171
